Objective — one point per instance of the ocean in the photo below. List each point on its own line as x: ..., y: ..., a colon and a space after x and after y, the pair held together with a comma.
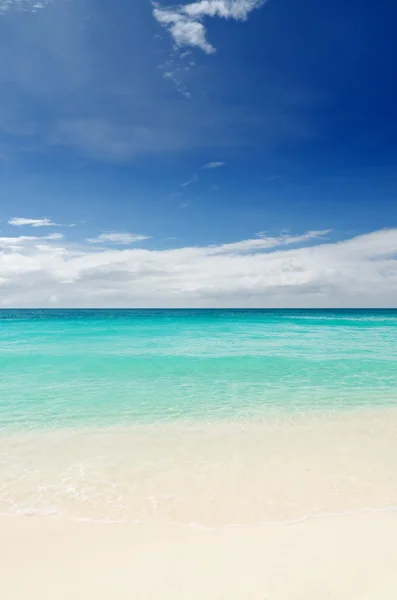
x: 197, y: 416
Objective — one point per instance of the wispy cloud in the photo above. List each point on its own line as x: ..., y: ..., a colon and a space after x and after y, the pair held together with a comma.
x: 184, y: 22
x: 22, y: 221
x: 175, y: 72
x: 190, y: 181
x: 117, y: 238
x: 214, y: 165
x: 269, y: 271
x: 210, y: 165
x: 25, y: 5
x: 263, y: 242
x: 26, y: 240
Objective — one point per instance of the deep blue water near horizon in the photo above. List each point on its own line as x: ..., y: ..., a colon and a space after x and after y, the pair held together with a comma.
x: 99, y: 367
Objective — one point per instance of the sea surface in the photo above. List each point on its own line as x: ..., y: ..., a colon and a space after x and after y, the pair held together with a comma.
x: 73, y: 368
x: 205, y: 416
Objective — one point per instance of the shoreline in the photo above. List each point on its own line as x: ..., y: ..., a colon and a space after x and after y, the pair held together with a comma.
x: 359, y: 512
x: 213, y: 475
x: 346, y: 557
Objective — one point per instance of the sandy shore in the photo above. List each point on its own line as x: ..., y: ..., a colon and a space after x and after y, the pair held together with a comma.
x: 344, y: 557
x: 214, y: 474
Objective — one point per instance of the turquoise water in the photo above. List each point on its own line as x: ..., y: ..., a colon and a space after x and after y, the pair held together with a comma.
x: 213, y: 417
x: 72, y: 368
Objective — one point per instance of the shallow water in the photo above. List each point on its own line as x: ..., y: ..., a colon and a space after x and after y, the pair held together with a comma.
x: 100, y: 367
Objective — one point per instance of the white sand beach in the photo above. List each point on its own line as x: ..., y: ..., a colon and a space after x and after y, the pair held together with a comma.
x: 263, y: 478
x: 336, y: 557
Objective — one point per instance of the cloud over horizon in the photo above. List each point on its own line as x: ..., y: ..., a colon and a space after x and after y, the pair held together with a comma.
x: 284, y: 271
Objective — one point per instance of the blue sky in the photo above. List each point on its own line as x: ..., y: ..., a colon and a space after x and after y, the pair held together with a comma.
x: 172, y: 129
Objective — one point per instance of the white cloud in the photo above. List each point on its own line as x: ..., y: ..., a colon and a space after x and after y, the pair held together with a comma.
x: 24, y: 239
x: 264, y: 243
x: 117, y: 238
x: 25, y: 5
x: 185, y: 25
x: 21, y: 221
x: 24, y: 242
x: 265, y: 271
x: 54, y: 236
x: 214, y: 165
